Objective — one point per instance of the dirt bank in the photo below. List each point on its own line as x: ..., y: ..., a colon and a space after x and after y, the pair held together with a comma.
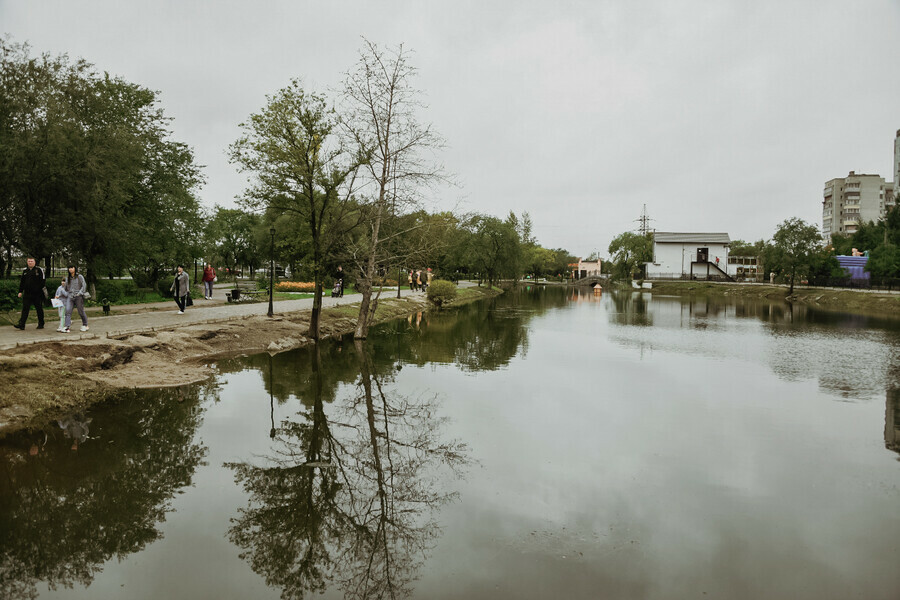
x: 42, y: 382
x: 854, y: 301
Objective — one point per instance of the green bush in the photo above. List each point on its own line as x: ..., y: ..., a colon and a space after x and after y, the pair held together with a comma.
x: 441, y: 292
x: 115, y: 290
x: 9, y: 294
x: 163, y: 285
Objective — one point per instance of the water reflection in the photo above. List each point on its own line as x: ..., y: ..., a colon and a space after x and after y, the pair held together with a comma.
x: 341, y: 369
x: 844, y: 353
x: 892, y: 421
x: 483, y: 336
x: 70, y: 501
x: 347, y: 498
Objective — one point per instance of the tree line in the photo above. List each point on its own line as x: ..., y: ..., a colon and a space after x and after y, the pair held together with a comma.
x: 90, y: 173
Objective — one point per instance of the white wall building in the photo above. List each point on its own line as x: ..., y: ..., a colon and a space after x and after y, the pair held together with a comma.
x: 689, y: 255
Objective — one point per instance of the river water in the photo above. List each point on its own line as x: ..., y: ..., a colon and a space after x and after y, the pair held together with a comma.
x: 547, y: 444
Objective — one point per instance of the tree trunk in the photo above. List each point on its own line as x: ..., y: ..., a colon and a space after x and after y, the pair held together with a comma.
x: 366, y: 308
x: 318, y: 277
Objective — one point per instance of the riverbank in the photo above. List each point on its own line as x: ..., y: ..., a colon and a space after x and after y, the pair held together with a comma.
x: 51, y: 377
x: 852, y: 301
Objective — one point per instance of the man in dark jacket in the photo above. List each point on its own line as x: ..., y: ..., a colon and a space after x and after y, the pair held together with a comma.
x: 31, y: 291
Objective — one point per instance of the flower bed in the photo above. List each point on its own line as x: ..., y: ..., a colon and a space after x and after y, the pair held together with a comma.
x: 295, y: 286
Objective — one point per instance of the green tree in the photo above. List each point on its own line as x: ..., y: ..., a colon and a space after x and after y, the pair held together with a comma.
x: 797, y: 246
x: 231, y: 234
x: 628, y: 252
x: 491, y: 247
x: 87, y: 166
x: 301, y: 169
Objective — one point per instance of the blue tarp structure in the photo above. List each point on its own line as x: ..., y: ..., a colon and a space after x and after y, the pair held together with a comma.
x: 855, y: 266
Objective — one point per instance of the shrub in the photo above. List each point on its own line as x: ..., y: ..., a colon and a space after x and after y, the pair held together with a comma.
x: 441, y: 292
x: 163, y: 285
x: 115, y: 290
x: 9, y: 294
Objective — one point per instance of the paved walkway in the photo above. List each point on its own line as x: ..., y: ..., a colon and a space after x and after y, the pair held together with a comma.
x: 164, y: 315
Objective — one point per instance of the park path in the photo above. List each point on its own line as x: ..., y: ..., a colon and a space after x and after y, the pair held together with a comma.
x: 164, y: 315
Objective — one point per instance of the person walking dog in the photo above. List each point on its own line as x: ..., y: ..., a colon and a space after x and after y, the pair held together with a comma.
x: 31, y: 291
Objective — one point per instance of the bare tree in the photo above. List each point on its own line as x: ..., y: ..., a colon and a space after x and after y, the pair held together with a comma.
x: 379, y: 112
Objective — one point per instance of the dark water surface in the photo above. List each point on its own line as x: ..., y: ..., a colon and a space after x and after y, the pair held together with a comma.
x: 548, y: 444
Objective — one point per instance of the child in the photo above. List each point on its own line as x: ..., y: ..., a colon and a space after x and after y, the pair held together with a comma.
x: 60, y: 295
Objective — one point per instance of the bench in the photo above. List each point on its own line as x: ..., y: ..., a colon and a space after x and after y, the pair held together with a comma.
x: 246, y: 294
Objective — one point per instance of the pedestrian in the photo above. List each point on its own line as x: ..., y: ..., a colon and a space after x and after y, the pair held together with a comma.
x: 181, y: 286
x: 31, y: 291
x: 209, y: 276
x: 409, y: 277
x: 419, y: 279
x: 428, y: 277
x: 339, y: 282
x: 76, y: 287
x: 60, y: 304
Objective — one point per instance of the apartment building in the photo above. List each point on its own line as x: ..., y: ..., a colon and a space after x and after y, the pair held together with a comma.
x: 854, y: 199
x: 897, y: 164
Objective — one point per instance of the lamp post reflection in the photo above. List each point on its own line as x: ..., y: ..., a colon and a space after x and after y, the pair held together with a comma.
x: 271, y: 401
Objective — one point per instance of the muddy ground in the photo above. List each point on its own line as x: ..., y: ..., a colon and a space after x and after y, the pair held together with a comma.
x: 42, y: 382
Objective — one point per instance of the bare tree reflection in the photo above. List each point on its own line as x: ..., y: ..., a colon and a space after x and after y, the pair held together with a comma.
x: 349, y: 501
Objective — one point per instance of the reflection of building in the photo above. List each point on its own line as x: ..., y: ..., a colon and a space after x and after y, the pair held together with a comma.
x: 689, y: 256
x: 892, y: 420
x: 857, y: 198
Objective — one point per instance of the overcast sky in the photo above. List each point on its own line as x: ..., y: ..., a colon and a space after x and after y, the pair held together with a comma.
x: 719, y: 116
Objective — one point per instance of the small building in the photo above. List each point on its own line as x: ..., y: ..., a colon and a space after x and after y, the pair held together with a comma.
x: 744, y: 268
x: 584, y: 268
x: 689, y: 256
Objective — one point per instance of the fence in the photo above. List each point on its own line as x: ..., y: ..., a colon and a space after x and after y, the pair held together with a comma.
x: 885, y: 284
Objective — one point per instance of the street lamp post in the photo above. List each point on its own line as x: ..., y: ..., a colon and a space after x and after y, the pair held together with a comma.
x: 272, y: 272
